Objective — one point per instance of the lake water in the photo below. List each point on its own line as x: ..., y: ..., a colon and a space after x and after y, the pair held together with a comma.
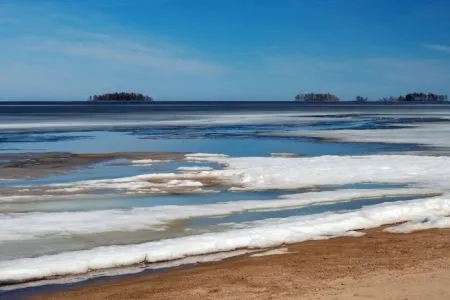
x: 51, y: 222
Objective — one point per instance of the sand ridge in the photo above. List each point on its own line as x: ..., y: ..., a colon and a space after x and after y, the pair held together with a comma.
x: 377, y: 266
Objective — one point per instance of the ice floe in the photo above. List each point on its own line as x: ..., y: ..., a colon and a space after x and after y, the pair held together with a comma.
x: 132, y: 269
x: 194, y: 169
x: 269, y: 173
x: 157, y: 183
x: 204, y: 157
x: 430, y: 222
x: 32, y: 198
x: 21, y: 226
x: 267, y: 233
x: 278, y: 251
x: 210, y: 119
x: 424, y: 176
x: 266, y: 173
x: 147, y: 162
x: 424, y: 134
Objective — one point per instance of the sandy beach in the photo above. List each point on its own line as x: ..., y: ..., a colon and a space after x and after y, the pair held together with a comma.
x: 378, y: 265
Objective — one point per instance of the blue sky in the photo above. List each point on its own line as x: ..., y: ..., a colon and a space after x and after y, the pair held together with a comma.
x: 223, y: 49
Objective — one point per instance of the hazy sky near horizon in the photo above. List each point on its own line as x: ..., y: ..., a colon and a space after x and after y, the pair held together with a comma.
x: 223, y: 49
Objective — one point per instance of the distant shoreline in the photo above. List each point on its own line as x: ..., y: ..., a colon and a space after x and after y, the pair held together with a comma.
x: 166, y: 102
x: 79, y: 108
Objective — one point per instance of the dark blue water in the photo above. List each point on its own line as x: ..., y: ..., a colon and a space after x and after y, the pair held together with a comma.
x: 107, y: 141
x: 74, y: 107
x: 88, y: 127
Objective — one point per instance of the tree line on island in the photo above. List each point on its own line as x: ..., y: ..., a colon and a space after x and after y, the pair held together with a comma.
x: 408, y: 98
x: 301, y: 97
x: 316, y: 97
x: 122, y: 96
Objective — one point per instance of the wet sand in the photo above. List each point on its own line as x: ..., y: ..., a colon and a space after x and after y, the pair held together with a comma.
x: 378, y: 265
x: 38, y: 165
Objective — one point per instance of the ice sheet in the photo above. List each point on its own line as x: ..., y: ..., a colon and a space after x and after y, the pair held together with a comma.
x: 428, y: 134
x: 21, y: 226
x: 171, y: 120
x: 268, y: 233
x: 265, y: 173
x: 430, y: 222
x: 424, y: 175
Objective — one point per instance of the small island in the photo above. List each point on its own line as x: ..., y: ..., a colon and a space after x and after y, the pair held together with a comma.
x: 417, y: 97
x: 316, y: 97
x: 410, y: 98
x: 122, y: 97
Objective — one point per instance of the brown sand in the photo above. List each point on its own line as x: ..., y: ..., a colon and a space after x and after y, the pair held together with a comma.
x: 37, y: 165
x: 376, y: 266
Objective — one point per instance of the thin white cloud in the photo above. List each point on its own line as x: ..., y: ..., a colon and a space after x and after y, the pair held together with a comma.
x: 440, y: 48
x: 64, y: 33
x: 125, y: 53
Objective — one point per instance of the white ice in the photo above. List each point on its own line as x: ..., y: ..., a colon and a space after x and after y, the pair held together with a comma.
x: 204, y: 157
x: 263, y: 173
x: 158, y: 182
x: 148, y: 162
x: 194, y: 169
x: 423, y: 174
x: 278, y: 251
x: 431, y: 222
x: 172, y: 120
x: 424, y: 134
x: 21, y: 226
x: 269, y: 233
x: 132, y: 269
x: 32, y: 198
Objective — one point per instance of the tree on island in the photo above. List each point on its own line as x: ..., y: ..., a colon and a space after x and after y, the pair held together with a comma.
x: 361, y: 99
x: 423, y: 97
x: 417, y: 97
x: 316, y: 97
x: 122, y: 96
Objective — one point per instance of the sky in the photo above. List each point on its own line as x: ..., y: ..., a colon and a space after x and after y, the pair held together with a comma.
x: 223, y: 49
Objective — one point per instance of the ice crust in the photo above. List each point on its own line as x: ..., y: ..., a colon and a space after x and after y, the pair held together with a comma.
x: 147, y: 162
x: 158, y: 183
x: 432, y: 222
x: 268, y: 233
x: 181, y: 120
x: 266, y: 173
x: 21, y: 226
x: 194, y: 169
x: 278, y: 251
x: 284, y: 173
x: 423, y: 134
x: 423, y: 174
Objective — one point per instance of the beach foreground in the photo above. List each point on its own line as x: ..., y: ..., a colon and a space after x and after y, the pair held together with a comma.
x: 378, y: 265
